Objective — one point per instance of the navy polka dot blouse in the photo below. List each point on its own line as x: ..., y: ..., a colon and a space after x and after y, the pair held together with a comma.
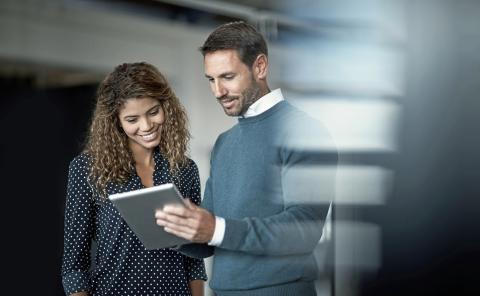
x: 121, y: 265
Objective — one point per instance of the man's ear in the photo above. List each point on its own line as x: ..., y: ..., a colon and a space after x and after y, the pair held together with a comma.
x: 260, y: 67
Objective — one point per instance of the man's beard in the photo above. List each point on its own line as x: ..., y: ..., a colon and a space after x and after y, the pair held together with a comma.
x: 251, y: 95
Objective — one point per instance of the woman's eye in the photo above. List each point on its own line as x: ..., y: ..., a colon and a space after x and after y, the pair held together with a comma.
x: 130, y: 120
x: 154, y: 112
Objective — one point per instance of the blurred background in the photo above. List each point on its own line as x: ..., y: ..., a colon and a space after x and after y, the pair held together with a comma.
x: 395, y: 81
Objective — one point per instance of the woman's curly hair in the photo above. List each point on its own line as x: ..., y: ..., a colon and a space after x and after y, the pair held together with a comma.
x: 107, y: 143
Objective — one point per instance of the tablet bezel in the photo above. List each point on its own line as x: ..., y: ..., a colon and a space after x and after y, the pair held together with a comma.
x: 137, y: 208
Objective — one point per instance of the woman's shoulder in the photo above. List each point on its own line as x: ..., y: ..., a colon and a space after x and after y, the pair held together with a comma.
x: 190, y: 165
x: 82, y: 160
x: 189, y: 170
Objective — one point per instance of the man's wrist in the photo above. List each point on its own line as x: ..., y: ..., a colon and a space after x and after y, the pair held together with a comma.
x: 219, y: 232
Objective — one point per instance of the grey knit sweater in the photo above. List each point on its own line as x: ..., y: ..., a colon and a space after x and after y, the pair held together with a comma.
x: 273, y: 217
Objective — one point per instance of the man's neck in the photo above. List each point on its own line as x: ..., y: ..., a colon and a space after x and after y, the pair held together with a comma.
x: 265, y: 102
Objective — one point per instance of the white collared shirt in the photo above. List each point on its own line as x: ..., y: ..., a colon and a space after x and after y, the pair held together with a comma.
x: 264, y: 103
x: 261, y: 105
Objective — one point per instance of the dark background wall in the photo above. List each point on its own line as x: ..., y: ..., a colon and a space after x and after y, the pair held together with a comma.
x: 43, y: 130
x: 430, y: 226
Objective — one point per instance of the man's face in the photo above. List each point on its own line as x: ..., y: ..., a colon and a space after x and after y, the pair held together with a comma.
x: 231, y: 81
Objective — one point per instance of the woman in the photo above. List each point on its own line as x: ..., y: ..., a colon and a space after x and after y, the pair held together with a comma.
x: 138, y: 138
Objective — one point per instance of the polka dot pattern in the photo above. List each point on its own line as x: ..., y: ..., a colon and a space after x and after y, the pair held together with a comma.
x: 121, y: 264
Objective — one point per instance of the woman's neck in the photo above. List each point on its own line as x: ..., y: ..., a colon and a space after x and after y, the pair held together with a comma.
x: 144, y: 164
x: 142, y: 157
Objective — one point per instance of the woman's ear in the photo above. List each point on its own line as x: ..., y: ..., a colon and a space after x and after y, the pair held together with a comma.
x: 260, y: 67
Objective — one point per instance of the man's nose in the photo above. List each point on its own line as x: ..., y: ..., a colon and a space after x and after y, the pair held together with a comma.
x: 219, y: 90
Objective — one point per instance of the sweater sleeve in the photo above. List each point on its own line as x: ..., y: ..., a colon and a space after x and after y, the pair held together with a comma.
x: 296, y: 230
x: 306, y: 194
x: 78, y: 228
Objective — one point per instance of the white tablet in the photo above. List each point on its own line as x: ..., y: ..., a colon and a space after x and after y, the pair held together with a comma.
x: 138, y: 207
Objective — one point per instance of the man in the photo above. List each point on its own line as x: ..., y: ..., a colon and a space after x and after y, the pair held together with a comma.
x: 260, y: 215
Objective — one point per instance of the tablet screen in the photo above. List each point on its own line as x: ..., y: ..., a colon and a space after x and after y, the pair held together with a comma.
x: 138, y: 207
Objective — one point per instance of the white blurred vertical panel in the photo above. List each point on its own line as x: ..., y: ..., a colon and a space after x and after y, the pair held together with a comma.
x: 363, y: 125
x: 357, y: 249
x: 362, y: 185
x: 357, y: 244
x: 354, y: 184
x: 344, y: 67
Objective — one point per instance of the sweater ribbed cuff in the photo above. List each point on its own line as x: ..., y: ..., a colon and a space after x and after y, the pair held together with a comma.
x: 235, y: 231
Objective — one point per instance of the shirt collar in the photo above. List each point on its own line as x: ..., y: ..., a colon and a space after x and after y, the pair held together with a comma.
x: 264, y: 103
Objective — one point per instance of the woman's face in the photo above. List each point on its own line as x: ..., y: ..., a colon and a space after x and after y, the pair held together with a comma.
x: 142, y: 120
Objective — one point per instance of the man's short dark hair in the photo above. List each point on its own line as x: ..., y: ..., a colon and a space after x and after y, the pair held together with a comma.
x: 240, y: 36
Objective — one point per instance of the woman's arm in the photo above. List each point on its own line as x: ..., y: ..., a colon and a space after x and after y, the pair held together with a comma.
x: 196, y: 287
x: 79, y: 228
x: 79, y: 294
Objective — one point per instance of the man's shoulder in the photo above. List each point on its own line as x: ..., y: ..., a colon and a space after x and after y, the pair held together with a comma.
x: 306, y: 131
x: 296, y: 120
x: 296, y: 113
x: 227, y: 134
